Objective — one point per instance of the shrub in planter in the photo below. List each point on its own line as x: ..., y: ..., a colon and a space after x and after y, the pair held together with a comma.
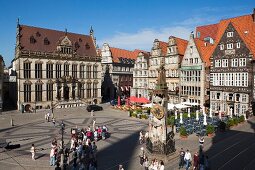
x: 183, y: 131
x: 134, y: 114
x: 230, y: 123
x: 144, y: 116
x: 193, y: 115
x: 209, y: 129
x: 235, y: 121
x: 170, y: 120
x: 241, y: 118
x: 222, y: 126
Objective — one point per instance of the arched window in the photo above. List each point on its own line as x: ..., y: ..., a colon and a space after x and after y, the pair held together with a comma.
x: 32, y: 40
x: 46, y: 41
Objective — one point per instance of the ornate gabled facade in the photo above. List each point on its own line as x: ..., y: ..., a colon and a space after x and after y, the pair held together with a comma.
x: 55, y: 68
x: 174, y: 54
x: 194, y: 71
x: 117, y: 71
x: 156, y: 58
x: 232, y: 63
x: 141, y: 76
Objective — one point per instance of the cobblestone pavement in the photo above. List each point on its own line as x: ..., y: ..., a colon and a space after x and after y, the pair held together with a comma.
x: 31, y: 128
x: 121, y: 148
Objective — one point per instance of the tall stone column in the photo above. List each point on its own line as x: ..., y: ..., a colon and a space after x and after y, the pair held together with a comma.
x: 70, y: 91
x: 55, y: 92
x: 77, y: 91
x: 62, y: 89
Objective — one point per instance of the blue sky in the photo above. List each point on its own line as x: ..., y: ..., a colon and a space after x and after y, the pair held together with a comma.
x: 127, y: 24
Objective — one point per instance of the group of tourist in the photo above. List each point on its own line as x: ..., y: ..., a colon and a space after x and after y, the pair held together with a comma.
x: 200, y: 161
x: 154, y: 164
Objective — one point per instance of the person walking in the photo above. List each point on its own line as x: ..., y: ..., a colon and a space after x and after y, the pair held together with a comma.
x: 32, y: 150
x: 48, y: 116
x: 201, y: 142
x: 207, y: 163
x: 161, y: 167
x: 196, y: 161
x: 187, y: 159
x: 146, y: 163
x: 54, y: 121
x: 181, y: 158
x: 141, y: 156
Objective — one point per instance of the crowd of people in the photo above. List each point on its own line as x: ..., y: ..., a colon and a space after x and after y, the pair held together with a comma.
x: 153, y: 164
x: 199, y: 161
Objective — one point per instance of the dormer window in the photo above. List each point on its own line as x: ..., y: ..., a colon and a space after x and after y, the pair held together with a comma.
x: 66, y: 50
x: 87, y: 46
x: 77, y: 45
x: 38, y: 34
x: 230, y: 34
x: 46, y: 41
x: 32, y: 40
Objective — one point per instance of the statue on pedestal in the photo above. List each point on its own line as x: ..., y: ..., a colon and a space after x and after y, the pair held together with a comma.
x: 159, y: 140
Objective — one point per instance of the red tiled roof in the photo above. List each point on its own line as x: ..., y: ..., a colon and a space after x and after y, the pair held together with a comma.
x: 207, y: 31
x: 205, y: 50
x: 54, y: 38
x: 181, y: 45
x: 121, y: 53
x: 163, y: 45
x: 244, y: 25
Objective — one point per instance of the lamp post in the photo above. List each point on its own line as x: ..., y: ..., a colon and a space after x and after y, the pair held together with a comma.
x: 52, y: 109
x: 62, y: 142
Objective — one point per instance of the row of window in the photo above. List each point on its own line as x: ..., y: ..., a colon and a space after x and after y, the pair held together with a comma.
x: 191, y: 90
x: 49, y: 92
x: 235, y: 62
x: 140, y: 73
x: 191, y: 61
x: 229, y: 96
x: 229, y: 79
x: 84, y: 70
x: 239, y: 109
x: 118, y: 68
x: 194, y: 76
x: 141, y: 66
x: 230, y: 46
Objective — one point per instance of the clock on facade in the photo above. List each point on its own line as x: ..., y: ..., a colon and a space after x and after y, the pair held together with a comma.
x: 158, y: 111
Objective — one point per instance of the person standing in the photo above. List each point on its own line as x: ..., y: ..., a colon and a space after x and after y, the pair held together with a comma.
x: 201, y: 142
x: 187, y: 159
x: 181, y: 159
x: 52, y: 157
x: 196, y: 161
x: 94, y: 125
x: 54, y: 121
x: 141, y: 156
x: 207, y: 163
x: 48, y: 116
x: 162, y: 167
x: 32, y: 150
x: 146, y: 163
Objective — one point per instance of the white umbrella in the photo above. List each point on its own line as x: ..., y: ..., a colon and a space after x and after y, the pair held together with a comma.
x: 188, y: 112
x: 181, y: 106
x: 231, y: 112
x: 205, y: 123
x: 197, y: 115
x: 220, y: 115
x: 181, y: 121
x: 175, y: 114
x: 210, y: 113
x: 148, y: 105
x: 203, y: 110
x: 191, y: 104
x: 170, y: 106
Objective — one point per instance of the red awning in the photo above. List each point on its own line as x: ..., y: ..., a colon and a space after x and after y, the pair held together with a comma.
x: 142, y: 100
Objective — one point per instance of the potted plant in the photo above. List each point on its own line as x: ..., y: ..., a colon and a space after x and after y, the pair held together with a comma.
x: 183, y: 132
x: 209, y: 130
x: 241, y: 119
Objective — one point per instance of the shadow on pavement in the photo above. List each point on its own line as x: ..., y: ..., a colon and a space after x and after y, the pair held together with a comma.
x: 234, y: 148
